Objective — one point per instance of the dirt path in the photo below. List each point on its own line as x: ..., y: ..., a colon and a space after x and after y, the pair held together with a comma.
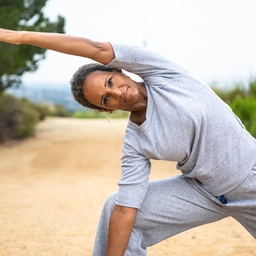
x: 52, y: 188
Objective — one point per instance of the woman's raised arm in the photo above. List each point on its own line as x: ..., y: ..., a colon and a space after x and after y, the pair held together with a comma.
x: 98, y: 51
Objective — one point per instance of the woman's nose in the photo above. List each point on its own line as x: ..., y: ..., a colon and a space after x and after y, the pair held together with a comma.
x: 116, y: 93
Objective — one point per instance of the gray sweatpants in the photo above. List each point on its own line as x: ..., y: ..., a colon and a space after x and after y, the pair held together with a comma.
x: 177, y: 204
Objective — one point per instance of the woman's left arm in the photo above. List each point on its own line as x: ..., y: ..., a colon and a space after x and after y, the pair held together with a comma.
x: 98, y: 51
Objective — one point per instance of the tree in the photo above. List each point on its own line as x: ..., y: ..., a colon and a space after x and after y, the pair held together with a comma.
x: 16, y: 60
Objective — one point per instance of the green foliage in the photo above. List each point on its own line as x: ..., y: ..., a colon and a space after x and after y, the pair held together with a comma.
x: 96, y: 114
x: 229, y: 95
x: 245, y: 109
x: 56, y: 110
x: 28, y: 118
x: 15, y: 60
x: 89, y: 114
x: 242, y: 100
x: 18, y: 118
x: 252, y: 87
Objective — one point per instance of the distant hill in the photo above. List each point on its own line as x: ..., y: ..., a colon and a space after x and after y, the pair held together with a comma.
x: 57, y: 94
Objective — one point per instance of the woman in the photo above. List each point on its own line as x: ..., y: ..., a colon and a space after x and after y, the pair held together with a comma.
x: 173, y: 116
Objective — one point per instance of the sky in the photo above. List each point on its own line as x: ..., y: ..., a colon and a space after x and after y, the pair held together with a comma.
x: 214, y: 39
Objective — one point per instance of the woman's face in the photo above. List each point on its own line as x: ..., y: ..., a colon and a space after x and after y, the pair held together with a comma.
x: 112, y: 91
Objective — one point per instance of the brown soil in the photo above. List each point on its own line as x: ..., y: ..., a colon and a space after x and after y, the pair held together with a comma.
x: 52, y: 188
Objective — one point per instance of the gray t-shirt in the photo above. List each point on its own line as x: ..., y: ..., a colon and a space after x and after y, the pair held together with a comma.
x: 186, y: 122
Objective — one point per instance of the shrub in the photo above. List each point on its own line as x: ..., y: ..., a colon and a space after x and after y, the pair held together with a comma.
x: 18, y: 118
x: 242, y: 100
x: 56, y: 110
x: 91, y: 113
x: 9, y: 115
x: 245, y: 109
x: 28, y: 119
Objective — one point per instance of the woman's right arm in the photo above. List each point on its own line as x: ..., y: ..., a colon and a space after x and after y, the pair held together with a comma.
x: 98, y: 51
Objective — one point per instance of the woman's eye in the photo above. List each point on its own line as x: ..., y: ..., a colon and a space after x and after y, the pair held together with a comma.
x: 105, y: 100
x: 110, y: 82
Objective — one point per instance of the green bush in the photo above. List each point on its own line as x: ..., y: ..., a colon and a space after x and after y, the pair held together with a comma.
x: 90, y: 113
x: 28, y: 119
x: 9, y: 115
x: 242, y: 99
x: 56, y: 110
x: 245, y: 109
x: 18, y: 118
x: 42, y: 110
x: 228, y: 95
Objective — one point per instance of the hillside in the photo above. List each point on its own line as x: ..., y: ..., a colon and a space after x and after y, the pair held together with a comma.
x: 57, y: 94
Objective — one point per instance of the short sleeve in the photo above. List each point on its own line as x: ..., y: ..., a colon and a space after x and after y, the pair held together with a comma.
x: 133, y: 183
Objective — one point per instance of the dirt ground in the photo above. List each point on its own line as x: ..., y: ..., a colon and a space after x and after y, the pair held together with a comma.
x: 53, y: 186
